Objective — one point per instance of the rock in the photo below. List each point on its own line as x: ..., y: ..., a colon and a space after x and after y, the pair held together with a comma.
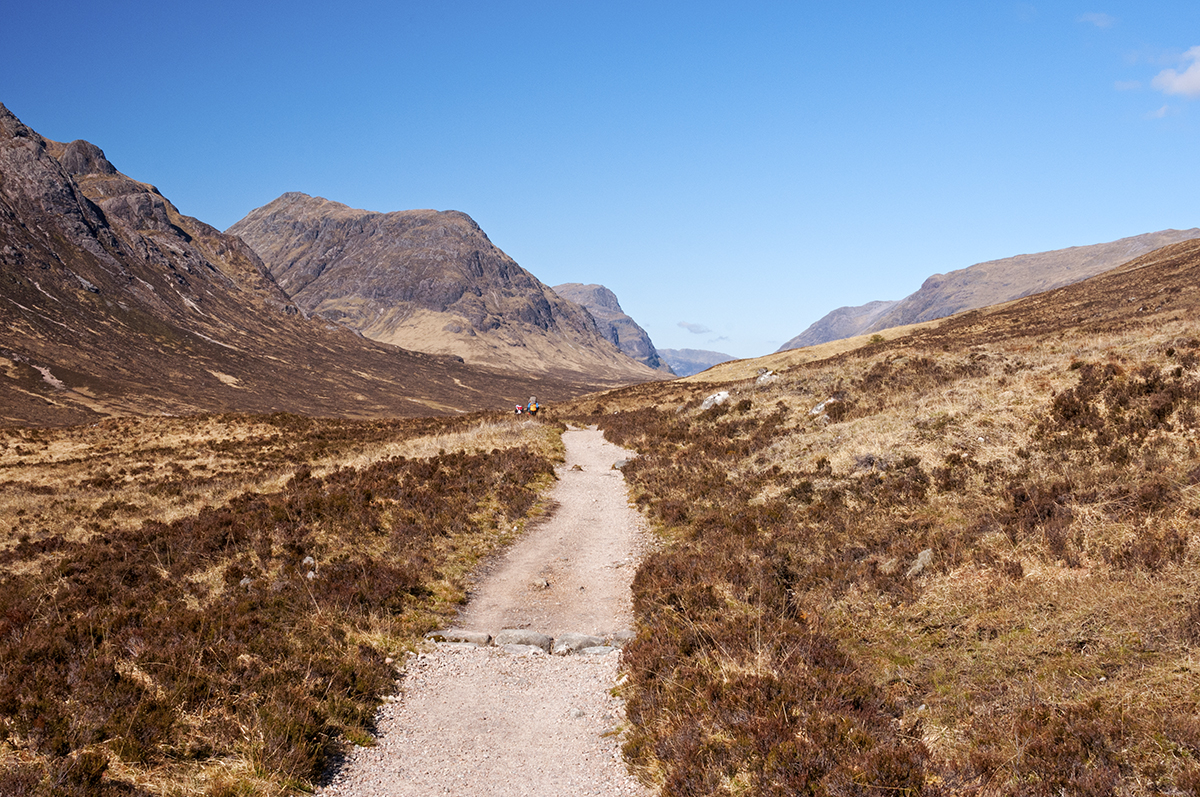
x: 570, y: 643
x: 715, y: 400
x: 924, y: 558
x: 523, y: 650
x: 521, y: 636
x: 820, y: 408
x: 623, y: 638
x: 596, y: 650
x: 766, y: 379
x: 613, y: 323
x: 620, y: 464
x: 541, y: 583
x: 477, y: 638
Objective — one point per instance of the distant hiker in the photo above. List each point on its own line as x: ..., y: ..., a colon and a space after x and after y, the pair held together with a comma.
x: 520, y: 409
x: 532, y: 407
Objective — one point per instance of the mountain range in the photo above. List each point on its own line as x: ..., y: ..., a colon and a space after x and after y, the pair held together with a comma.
x: 985, y: 284
x: 115, y: 303
x: 428, y: 281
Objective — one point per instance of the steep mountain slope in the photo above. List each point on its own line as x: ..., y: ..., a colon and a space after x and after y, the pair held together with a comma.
x: 429, y: 281
x: 985, y: 284
x: 614, y: 324
x: 687, y: 362
x: 115, y: 303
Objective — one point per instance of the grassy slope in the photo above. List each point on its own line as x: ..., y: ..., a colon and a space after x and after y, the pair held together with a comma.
x: 160, y: 632
x: 973, y: 571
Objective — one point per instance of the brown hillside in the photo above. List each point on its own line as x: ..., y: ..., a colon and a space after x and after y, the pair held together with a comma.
x: 964, y: 560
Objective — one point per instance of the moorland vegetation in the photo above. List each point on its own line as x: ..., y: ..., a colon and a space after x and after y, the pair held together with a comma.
x: 956, y: 561
x: 962, y: 561
x: 215, y: 605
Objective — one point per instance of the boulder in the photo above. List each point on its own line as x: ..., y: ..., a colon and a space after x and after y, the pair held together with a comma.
x: 572, y: 643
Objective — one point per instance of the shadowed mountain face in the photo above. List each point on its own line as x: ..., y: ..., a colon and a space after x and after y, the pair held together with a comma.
x: 429, y: 281
x: 114, y: 303
x: 614, y: 324
x: 688, y: 362
x: 985, y: 284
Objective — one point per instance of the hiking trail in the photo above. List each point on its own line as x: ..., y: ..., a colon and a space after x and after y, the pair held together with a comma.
x: 512, y: 720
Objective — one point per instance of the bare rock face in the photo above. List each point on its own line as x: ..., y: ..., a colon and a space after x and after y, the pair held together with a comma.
x: 429, y: 281
x: 613, y: 323
x: 113, y: 303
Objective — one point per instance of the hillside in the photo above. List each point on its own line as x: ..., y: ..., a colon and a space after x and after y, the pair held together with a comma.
x: 114, y: 303
x: 985, y: 284
x: 961, y: 560
x: 614, y: 323
x: 428, y: 281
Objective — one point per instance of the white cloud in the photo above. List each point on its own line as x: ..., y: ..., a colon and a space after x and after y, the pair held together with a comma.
x: 695, y: 329
x: 1186, y: 82
x: 1099, y: 20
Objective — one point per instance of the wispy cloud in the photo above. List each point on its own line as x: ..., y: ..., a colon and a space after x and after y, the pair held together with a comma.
x: 695, y: 329
x: 1187, y: 82
x: 1098, y: 19
x: 1160, y: 113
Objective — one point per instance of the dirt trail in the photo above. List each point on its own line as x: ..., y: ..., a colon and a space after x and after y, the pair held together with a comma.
x: 480, y: 721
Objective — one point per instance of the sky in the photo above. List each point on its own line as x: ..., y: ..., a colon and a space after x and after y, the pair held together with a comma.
x: 732, y: 171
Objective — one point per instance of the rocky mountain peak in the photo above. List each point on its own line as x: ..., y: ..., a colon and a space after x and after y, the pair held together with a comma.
x: 426, y: 280
x: 83, y: 157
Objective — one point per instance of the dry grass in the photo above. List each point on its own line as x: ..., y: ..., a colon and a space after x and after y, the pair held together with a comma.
x: 1045, y: 473
x: 213, y: 605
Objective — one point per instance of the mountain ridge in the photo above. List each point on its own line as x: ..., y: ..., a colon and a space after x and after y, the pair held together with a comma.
x: 114, y: 303
x: 987, y: 283
x: 429, y: 281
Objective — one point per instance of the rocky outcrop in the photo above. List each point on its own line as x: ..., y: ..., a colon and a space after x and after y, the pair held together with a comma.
x: 687, y: 362
x: 113, y: 302
x: 613, y: 323
x: 989, y: 283
x: 429, y: 281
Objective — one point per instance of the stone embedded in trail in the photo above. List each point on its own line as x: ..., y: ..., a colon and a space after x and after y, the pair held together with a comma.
x: 622, y: 638
x: 596, y: 650
x: 523, y: 650
x: 572, y: 643
x: 478, y: 638
x: 520, y: 636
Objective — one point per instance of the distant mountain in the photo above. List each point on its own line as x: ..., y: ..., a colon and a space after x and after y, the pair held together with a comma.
x: 985, y: 284
x: 686, y: 362
x: 844, y: 322
x: 429, y: 281
x: 613, y: 323
x: 114, y: 303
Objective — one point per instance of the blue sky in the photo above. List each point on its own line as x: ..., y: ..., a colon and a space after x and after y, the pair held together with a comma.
x: 731, y: 171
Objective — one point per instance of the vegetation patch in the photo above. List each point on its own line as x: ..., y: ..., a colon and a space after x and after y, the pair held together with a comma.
x: 234, y: 647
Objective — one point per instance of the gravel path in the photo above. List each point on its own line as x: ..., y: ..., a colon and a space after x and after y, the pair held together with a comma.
x: 490, y: 721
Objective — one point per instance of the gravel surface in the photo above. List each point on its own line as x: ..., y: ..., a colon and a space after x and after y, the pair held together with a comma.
x: 486, y: 721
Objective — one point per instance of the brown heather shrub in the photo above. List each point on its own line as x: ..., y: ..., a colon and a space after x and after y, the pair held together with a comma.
x: 209, y: 638
x: 787, y: 644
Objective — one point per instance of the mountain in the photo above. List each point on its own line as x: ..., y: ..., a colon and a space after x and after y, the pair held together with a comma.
x: 114, y: 303
x: 844, y: 322
x: 613, y: 323
x: 429, y: 281
x: 687, y: 362
x: 985, y: 284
